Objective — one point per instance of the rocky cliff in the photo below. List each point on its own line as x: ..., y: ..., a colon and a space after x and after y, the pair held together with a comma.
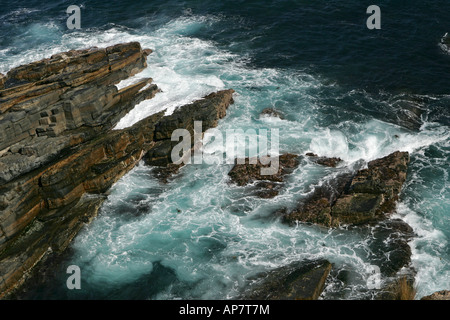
x: 59, y: 154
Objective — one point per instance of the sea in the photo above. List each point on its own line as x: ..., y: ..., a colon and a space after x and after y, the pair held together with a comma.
x: 345, y: 91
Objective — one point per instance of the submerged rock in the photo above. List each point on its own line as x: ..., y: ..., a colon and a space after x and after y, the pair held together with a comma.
x: 303, y: 280
x: 389, y: 238
x: 316, y: 208
x: 271, y: 112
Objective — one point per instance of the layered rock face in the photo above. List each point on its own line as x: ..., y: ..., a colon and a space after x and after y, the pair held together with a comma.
x: 58, y: 154
x: 208, y: 110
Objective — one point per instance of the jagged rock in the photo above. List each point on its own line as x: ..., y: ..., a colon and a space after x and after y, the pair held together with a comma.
x: 64, y: 93
x: 440, y: 295
x: 373, y: 192
x: 250, y: 171
x: 58, y: 149
x: 367, y: 196
x: 316, y: 208
x: 303, y: 280
x: 325, y: 161
x: 207, y: 110
x: 270, y: 112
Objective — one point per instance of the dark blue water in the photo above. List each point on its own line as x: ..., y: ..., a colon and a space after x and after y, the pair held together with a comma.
x: 327, y: 37
x: 346, y: 91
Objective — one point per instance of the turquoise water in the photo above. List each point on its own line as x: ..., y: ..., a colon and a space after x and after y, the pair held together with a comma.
x: 201, y: 237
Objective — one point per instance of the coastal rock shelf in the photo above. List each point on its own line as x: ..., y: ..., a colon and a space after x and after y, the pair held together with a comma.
x: 59, y: 154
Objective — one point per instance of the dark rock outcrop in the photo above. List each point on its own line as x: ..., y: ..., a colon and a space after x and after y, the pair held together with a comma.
x: 369, y: 195
x: 408, y: 112
x: 303, y: 280
x: 269, y: 185
x: 58, y: 153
